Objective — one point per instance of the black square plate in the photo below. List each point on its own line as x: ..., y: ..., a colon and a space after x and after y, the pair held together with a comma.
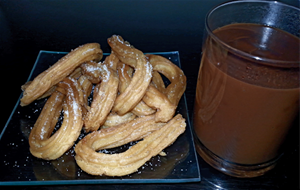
x: 19, y: 167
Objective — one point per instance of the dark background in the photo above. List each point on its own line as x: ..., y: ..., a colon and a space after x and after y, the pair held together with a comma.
x: 28, y: 26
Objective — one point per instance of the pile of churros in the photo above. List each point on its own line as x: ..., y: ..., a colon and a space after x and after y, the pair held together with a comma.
x: 130, y: 102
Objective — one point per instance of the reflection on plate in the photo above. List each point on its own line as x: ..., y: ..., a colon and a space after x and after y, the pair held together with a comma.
x: 19, y: 167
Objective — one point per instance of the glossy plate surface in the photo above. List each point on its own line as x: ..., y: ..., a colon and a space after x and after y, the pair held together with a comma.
x: 19, y: 167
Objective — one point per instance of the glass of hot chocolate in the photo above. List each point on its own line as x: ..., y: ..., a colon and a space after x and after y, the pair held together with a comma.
x: 247, y: 93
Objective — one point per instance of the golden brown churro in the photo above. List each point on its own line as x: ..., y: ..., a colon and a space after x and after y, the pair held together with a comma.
x: 103, y: 99
x: 42, y: 144
x: 60, y: 70
x: 129, y: 161
x: 153, y: 98
x: 125, y: 74
x: 176, y: 76
x: 135, y: 91
x: 165, y: 109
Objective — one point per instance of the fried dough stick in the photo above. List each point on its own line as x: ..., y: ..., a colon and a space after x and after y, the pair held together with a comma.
x: 129, y: 161
x: 103, y: 100
x: 141, y: 79
x: 60, y: 70
x: 153, y: 98
x: 125, y: 74
x: 42, y: 144
x: 175, y: 90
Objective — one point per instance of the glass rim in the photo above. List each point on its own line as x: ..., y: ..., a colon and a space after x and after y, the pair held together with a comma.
x: 266, y: 61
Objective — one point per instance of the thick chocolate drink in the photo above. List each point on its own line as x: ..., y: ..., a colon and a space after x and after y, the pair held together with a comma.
x: 244, y: 104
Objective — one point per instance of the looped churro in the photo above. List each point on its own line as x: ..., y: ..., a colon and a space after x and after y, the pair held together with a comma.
x: 153, y: 98
x: 135, y: 91
x: 59, y: 71
x: 125, y: 74
x: 129, y: 161
x: 103, y: 100
x: 165, y: 109
x: 42, y: 144
x: 175, y: 90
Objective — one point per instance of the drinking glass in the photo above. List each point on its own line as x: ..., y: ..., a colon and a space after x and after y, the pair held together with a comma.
x: 247, y: 94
